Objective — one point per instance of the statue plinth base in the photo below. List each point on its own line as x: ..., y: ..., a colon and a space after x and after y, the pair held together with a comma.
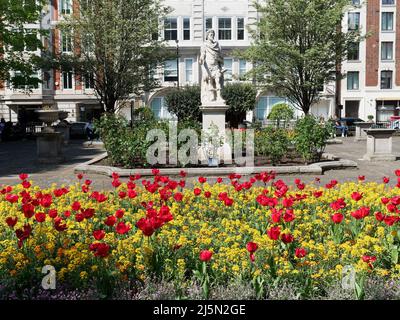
x: 214, y: 112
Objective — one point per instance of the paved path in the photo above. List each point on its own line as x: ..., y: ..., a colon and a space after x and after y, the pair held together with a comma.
x: 20, y: 156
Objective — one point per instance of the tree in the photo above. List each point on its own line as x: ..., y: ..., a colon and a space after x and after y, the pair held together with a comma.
x: 281, y: 112
x: 19, y: 63
x: 116, y: 47
x: 297, y: 47
x: 185, y: 102
x: 240, y: 97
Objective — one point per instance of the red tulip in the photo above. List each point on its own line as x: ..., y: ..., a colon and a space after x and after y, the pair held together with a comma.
x: 361, y: 178
x: 79, y: 217
x: 110, y: 221
x: 276, y: 215
x: 300, y: 253
x: 182, y: 173
x: 23, y: 176
x: 119, y: 213
x: 379, y: 216
x: 338, y: 204
x: 155, y: 172
x: 360, y: 213
x: 99, y: 234
x: 273, y: 233
x: 79, y: 176
x: 178, y: 197
x: 397, y: 172
x: 40, y: 217
x: 100, y: 249
x: 58, y: 225
x: 288, y: 216
x: 116, y: 183
x: 356, y: 196
x: 287, y: 238
x: 219, y: 180
x: 205, y: 255
x: 202, y: 179
x: 52, y: 213
x: 207, y: 194
x: 197, y: 191
x: 26, y: 184
x: 11, y: 222
x: 337, y: 218
x: 386, y: 180
x: 251, y: 247
x: 76, y: 206
x: 146, y: 226
x: 12, y: 198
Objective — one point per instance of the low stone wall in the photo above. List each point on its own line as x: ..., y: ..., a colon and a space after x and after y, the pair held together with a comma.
x: 314, y: 169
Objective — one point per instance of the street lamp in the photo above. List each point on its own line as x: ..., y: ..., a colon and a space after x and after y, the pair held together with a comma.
x: 177, y: 61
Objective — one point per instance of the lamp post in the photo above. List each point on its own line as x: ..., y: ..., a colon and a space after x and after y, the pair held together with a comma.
x: 177, y: 61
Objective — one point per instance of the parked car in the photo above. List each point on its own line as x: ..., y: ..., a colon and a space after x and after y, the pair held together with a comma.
x: 77, y: 130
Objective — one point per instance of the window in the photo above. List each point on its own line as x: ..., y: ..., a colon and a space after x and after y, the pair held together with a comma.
x: 242, y: 67
x: 387, y: 2
x: 355, y: 2
x: 208, y: 24
x: 353, y: 53
x: 170, y: 29
x: 31, y: 40
x: 353, y: 80
x: 387, y: 21
x: 67, y: 79
x: 89, y: 81
x: 228, y: 67
x: 66, y: 42
x: 189, y: 70
x: 87, y: 44
x: 265, y: 105
x: 66, y: 6
x: 224, y: 28
x: 159, y: 109
x: 387, y: 51
x: 354, y: 21
x: 386, y: 79
x: 171, y: 70
x: 240, y: 28
x: 186, y: 28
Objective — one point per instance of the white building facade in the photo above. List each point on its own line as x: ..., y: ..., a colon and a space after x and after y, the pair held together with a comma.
x: 371, y: 85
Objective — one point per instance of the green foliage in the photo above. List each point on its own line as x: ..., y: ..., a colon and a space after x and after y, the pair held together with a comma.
x: 126, y: 145
x: 297, y: 47
x: 281, y: 112
x: 120, y: 48
x: 310, y: 138
x: 272, y: 143
x: 240, y: 97
x: 18, y: 43
x: 184, y: 102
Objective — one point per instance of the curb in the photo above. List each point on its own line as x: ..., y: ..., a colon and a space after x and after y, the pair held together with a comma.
x: 315, y: 168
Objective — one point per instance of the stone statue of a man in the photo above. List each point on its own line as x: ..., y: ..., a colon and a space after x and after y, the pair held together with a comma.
x: 211, y: 62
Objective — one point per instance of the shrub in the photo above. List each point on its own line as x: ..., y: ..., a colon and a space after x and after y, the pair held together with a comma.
x: 272, y: 143
x: 240, y: 97
x: 310, y: 138
x: 125, y: 145
x: 281, y: 112
x: 185, y: 103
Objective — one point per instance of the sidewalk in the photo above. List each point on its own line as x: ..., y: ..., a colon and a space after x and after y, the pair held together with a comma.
x: 20, y: 156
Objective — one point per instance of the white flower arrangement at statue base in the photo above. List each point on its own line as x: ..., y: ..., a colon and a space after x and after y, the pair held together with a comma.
x: 212, y: 143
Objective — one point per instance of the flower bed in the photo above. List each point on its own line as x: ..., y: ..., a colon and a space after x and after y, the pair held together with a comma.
x: 259, y: 232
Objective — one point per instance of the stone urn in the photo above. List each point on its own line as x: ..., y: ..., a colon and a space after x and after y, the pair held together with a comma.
x: 48, y: 117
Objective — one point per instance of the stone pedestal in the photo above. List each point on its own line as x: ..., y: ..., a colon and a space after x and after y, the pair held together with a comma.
x: 49, y: 147
x: 214, y: 112
x: 379, y: 145
x: 361, y: 135
x: 64, y: 130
